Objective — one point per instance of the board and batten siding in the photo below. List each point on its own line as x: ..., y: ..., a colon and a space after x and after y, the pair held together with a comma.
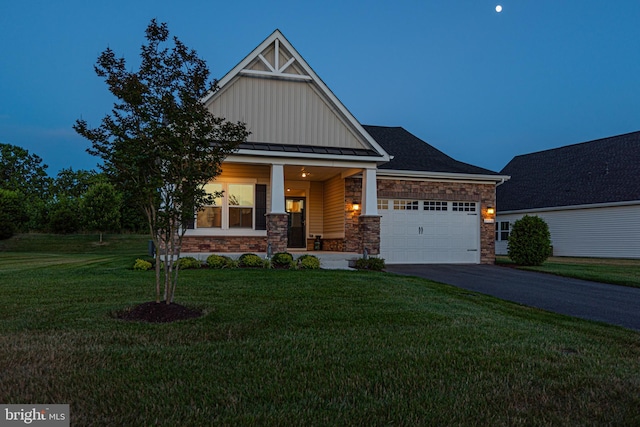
x: 599, y: 232
x: 261, y: 173
x: 284, y: 112
x: 315, y: 204
x: 333, y: 204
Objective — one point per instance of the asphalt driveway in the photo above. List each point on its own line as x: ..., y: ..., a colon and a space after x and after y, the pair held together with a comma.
x: 617, y: 305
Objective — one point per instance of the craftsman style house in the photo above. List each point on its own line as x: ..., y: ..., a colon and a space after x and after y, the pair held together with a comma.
x: 311, y: 176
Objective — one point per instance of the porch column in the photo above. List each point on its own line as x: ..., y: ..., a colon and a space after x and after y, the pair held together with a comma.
x: 369, y: 221
x: 277, y: 218
x: 369, y: 192
x: 277, y: 189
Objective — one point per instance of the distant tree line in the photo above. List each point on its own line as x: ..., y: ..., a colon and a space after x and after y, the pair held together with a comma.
x: 73, y: 201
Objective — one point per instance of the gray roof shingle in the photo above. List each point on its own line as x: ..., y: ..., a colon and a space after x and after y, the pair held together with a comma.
x: 410, y: 153
x: 600, y: 171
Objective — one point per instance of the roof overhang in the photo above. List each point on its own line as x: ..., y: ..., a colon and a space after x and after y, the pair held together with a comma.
x: 441, y: 176
x: 572, y: 207
x: 251, y: 157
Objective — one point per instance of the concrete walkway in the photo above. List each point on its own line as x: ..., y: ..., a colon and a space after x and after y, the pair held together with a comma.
x: 617, y: 305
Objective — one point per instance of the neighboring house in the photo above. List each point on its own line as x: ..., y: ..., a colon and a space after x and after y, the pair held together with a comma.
x: 310, y: 174
x: 588, y: 193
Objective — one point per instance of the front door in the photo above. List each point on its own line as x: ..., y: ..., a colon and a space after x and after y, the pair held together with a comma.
x: 296, y: 231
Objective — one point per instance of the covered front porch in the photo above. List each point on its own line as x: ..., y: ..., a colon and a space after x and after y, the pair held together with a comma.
x: 289, y: 205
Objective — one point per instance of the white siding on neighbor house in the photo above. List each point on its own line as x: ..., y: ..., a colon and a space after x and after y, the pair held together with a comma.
x: 284, y: 112
x: 601, y: 232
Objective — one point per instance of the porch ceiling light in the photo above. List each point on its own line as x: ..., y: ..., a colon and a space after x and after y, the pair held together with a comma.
x: 304, y: 173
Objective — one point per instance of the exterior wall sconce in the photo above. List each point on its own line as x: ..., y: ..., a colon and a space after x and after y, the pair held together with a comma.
x: 355, y: 206
x: 489, y: 216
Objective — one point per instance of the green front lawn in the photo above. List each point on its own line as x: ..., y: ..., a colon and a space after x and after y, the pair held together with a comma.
x: 614, y: 271
x: 298, y: 348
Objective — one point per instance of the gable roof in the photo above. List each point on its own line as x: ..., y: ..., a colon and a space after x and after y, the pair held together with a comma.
x: 601, y: 171
x: 410, y: 153
x: 288, y: 108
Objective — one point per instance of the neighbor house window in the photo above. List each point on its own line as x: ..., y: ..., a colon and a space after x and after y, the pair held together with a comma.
x: 502, y: 230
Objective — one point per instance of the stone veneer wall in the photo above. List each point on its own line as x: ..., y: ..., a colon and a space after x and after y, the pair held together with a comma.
x: 334, y: 245
x: 221, y: 244
x: 360, y: 231
x: 352, y: 237
x: 277, y: 228
x: 370, y: 233
x: 449, y: 191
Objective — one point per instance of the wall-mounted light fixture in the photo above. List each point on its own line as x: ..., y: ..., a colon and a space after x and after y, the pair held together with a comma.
x: 355, y: 205
x: 489, y: 215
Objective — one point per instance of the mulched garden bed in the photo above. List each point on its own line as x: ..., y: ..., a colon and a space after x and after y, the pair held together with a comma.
x: 154, y: 312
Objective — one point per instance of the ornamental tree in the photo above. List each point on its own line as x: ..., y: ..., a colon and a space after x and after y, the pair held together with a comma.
x: 160, y: 143
x: 101, y: 208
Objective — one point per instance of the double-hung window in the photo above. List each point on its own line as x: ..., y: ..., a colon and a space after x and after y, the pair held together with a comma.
x: 240, y: 198
x: 502, y: 230
x: 211, y: 216
x: 235, y: 208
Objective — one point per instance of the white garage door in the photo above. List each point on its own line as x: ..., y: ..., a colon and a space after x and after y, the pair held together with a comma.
x: 423, y: 232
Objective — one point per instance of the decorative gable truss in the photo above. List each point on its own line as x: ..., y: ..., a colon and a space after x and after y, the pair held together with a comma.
x: 284, y: 102
x: 276, y: 61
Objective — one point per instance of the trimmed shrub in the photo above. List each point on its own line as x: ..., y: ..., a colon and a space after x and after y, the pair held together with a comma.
x: 218, y: 262
x: 187, y: 263
x: 529, y: 241
x: 308, y: 262
x: 371, y: 263
x: 142, y: 265
x: 282, y: 260
x: 250, y: 260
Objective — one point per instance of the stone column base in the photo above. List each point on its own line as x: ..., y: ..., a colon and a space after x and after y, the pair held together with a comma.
x: 369, y: 227
x: 277, y: 227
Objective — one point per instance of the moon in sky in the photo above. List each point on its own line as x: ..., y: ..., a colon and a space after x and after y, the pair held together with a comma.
x: 498, y: 8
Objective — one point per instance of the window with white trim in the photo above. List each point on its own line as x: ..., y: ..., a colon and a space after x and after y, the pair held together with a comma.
x: 235, y: 209
x: 211, y: 216
x: 240, y: 205
x: 503, y: 228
